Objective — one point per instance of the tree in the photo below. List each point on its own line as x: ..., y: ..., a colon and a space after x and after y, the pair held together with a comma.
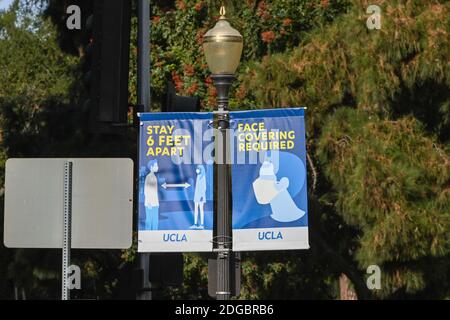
x: 390, y: 182
x: 41, y: 116
x: 378, y: 133
x: 378, y: 136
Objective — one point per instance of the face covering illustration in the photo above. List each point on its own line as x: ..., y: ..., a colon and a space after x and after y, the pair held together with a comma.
x: 151, y: 197
x: 199, y: 198
x: 270, y: 191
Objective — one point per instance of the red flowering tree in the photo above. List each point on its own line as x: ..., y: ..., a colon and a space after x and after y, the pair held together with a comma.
x: 178, y: 27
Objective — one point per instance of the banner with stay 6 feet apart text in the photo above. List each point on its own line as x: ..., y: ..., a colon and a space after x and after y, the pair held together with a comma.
x: 175, y: 182
x: 176, y: 189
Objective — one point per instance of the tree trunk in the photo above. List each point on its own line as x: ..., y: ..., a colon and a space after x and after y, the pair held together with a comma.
x: 345, y: 289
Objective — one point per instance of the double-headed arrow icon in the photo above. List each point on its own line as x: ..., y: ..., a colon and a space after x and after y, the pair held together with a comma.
x: 175, y: 185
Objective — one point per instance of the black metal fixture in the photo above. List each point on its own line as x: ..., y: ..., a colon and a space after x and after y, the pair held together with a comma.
x: 223, y: 49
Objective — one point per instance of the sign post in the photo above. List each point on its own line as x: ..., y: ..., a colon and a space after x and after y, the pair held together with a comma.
x: 143, y: 86
x: 67, y: 229
x: 68, y: 203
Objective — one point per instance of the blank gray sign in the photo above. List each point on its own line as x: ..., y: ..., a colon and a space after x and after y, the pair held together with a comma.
x: 102, y: 203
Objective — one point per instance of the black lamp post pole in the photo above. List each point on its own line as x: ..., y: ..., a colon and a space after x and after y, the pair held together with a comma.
x: 222, y: 181
x: 143, y: 85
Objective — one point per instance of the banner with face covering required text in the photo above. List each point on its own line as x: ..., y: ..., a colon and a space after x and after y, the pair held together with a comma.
x: 175, y: 182
x: 269, y: 180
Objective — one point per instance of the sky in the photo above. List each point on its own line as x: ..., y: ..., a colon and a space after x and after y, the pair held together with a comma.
x: 5, y: 4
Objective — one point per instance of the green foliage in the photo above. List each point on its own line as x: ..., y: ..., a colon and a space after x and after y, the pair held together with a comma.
x: 379, y: 71
x: 36, y: 79
x: 391, y: 183
x: 40, y: 117
x: 286, y: 275
x: 267, y: 26
x: 195, y: 277
x: 378, y: 134
x: 33, y: 67
x: 383, y: 164
x: 35, y: 75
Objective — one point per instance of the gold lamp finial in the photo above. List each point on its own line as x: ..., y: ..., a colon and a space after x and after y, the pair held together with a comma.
x: 223, y: 12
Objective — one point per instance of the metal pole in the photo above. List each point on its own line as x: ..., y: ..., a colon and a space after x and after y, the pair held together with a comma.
x: 143, y: 47
x: 67, y: 229
x: 143, y: 97
x: 223, y: 187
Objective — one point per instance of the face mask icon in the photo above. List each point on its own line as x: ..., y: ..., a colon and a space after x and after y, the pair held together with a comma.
x: 265, y: 186
x: 268, y: 190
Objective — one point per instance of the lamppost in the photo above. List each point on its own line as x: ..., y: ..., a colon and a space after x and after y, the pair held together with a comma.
x: 223, y: 49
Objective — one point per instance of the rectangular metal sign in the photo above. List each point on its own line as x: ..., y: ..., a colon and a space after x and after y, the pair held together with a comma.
x: 102, y: 203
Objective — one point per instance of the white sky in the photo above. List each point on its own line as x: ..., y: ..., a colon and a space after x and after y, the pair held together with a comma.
x: 5, y: 4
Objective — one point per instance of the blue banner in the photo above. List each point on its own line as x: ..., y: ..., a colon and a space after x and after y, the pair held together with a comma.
x: 175, y: 182
x: 269, y: 180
